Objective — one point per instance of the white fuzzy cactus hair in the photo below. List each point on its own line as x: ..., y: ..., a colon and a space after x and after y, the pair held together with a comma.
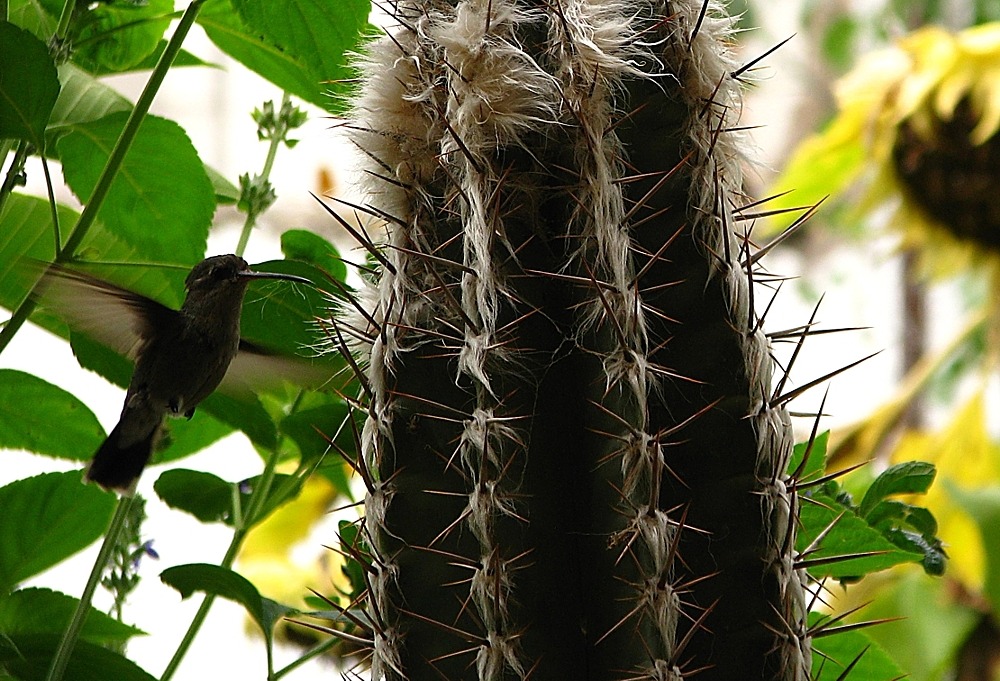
x: 573, y: 451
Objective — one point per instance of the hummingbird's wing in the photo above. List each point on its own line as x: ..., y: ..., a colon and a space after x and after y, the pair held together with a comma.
x: 122, y: 320
x: 256, y: 369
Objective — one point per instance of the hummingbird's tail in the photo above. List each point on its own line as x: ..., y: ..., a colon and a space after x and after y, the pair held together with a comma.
x: 119, y: 462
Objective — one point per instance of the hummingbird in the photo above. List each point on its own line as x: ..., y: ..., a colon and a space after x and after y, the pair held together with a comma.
x: 181, y: 356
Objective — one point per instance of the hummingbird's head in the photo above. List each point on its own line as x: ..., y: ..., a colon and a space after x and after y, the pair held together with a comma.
x: 216, y: 285
x: 229, y: 271
x: 218, y: 272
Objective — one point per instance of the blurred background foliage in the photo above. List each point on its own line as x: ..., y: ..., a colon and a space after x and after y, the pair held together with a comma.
x: 899, y: 140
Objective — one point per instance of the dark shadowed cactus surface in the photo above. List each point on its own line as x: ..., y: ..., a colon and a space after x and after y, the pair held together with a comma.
x: 573, y: 446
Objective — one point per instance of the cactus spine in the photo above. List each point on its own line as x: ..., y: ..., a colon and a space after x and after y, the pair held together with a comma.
x: 575, y: 465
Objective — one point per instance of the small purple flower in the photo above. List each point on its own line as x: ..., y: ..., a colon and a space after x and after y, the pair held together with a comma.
x: 145, y: 550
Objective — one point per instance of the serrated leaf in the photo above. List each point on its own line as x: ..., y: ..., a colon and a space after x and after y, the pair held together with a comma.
x: 207, y: 497
x: 43, y: 611
x: 28, y: 657
x: 911, y: 477
x: 29, y: 85
x: 219, y: 581
x: 45, y: 519
x: 161, y: 201
x: 300, y: 244
x: 833, y: 655
x: 850, y: 535
x: 44, y: 418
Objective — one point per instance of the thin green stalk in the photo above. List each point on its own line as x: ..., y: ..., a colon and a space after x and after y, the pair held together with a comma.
x: 257, y: 498
x: 16, y: 166
x: 65, y: 17
x: 315, y: 651
x: 56, y: 235
x: 265, y: 173
x: 89, y: 214
x: 72, y: 632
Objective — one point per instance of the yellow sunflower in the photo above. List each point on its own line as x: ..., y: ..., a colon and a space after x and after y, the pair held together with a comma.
x: 916, y: 129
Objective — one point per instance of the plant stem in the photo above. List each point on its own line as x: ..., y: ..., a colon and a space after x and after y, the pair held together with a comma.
x: 257, y: 498
x: 318, y: 649
x: 65, y: 17
x: 16, y: 166
x: 272, y: 150
x: 56, y: 234
x: 89, y: 214
x: 72, y: 632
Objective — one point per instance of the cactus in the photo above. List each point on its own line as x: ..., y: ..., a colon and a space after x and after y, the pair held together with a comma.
x: 574, y: 455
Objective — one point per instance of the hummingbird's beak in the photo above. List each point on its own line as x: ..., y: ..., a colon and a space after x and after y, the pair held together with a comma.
x: 251, y: 274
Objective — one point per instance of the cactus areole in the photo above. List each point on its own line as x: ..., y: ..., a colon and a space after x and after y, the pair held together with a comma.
x: 576, y: 469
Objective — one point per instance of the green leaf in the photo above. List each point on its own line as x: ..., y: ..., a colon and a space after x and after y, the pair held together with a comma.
x: 226, y: 193
x: 28, y: 657
x: 43, y: 611
x: 280, y: 315
x: 310, y: 429
x: 911, y: 477
x: 248, y: 416
x: 45, y: 519
x: 317, y: 33
x: 83, y: 98
x: 183, y: 58
x: 284, y: 488
x: 224, y: 28
x: 29, y: 85
x: 117, y: 37
x: 95, y: 357
x: 849, y: 535
x: 331, y: 27
x: 207, y: 497
x: 219, y: 581
x: 929, y: 626
x: 816, y: 464
x: 832, y: 655
x: 32, y: 15
x: 161, y: 202
x: 300, y: 244
x: 44, y: 418
x: 25, y: 234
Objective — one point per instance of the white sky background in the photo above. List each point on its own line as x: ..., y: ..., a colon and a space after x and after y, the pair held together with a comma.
x: 214, y: 107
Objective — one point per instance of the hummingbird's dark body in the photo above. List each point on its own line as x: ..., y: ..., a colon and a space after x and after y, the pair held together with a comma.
x: 181, y: 357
